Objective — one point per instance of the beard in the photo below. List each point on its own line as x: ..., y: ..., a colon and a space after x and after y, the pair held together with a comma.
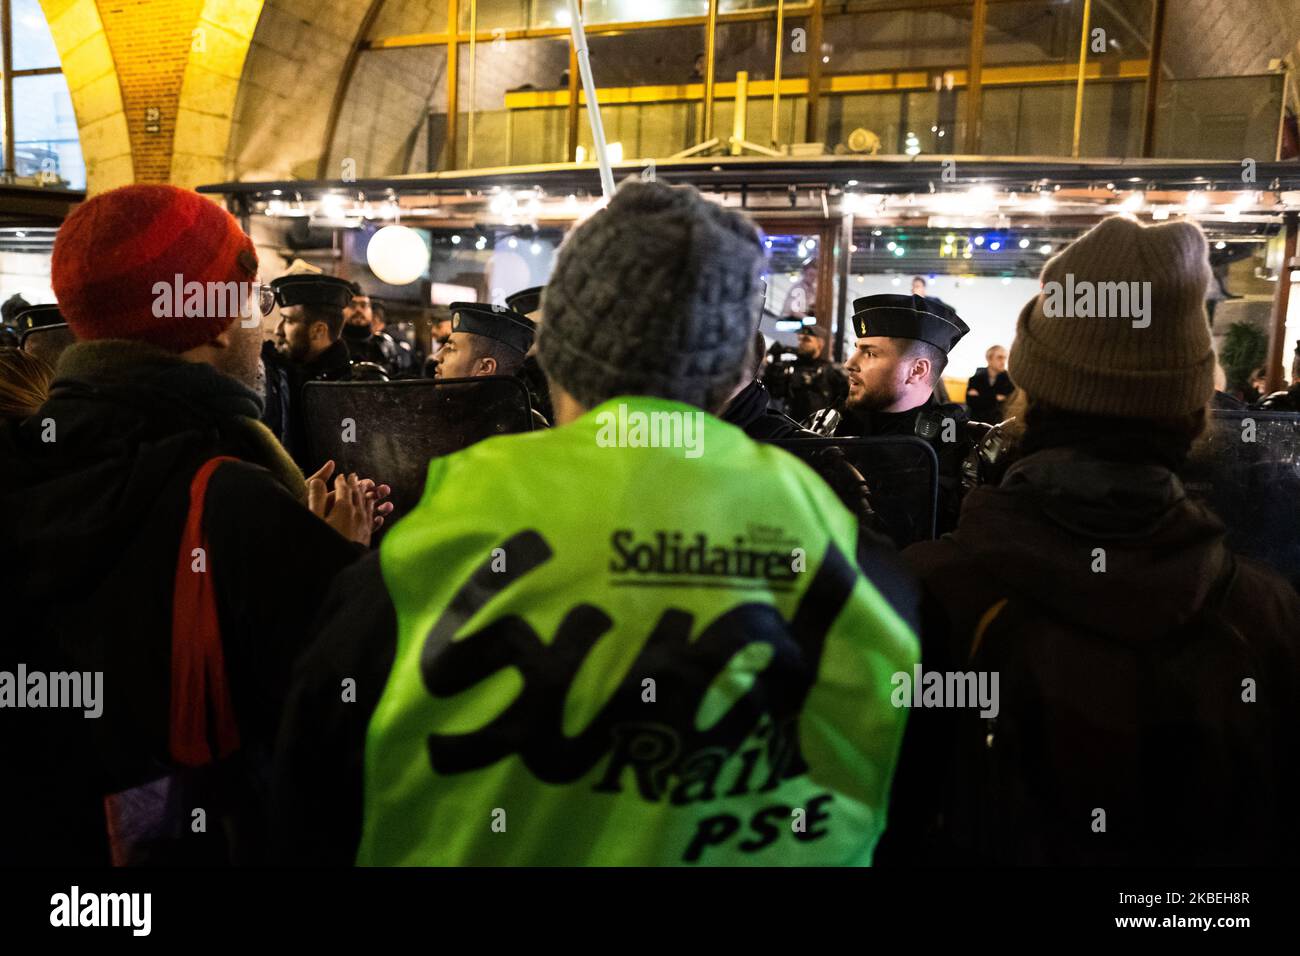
x: 244, y: 365
x: 864, y: 398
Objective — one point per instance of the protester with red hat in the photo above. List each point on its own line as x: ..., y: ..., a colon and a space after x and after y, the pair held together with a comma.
x: 145, y: 510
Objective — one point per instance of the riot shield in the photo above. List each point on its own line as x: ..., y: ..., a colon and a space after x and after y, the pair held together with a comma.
x: 901, y: 473
x: 1246, y: 469
x: 389, y: 430
x: 47, y: 342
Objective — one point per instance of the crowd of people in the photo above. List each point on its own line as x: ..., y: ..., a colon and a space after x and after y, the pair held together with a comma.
x: 589, y: 646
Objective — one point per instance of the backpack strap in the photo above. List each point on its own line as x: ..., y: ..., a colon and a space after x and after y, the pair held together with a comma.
x: 203, y: 727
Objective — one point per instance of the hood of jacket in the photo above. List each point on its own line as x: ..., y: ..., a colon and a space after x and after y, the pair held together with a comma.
x: 123, y: 422
x: 1116, y: 547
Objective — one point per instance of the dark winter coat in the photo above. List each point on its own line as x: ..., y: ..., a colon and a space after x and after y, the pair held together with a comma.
x: 1145, y: 672
x: 90, y: 526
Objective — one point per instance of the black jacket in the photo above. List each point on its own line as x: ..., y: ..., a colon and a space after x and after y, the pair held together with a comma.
x: 284, y: 382
x: 1123, y: 684
x: 928, y: 422
x: 982, y: 396
x: 90, y: 525
x: 806, y: 386
x: 750, y: 410
x: 366, y: 346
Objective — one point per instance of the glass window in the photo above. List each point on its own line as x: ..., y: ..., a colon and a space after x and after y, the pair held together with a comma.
x: 633, y: 11
x: 669, y: 58
x: 515, y: 122
x: 750, y: 45
x: 496, y: 14
x: 46, y: 142
x: 1031, y: 59
x: 33, y: 46
x: 897, y: 40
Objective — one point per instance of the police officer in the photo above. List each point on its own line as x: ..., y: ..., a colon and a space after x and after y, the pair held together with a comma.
x: 902, y: 348
x: 529, y: 302
x: 811, y: 382
x: 308, y: 348
x: 364, y: 338
x: 486, y: 340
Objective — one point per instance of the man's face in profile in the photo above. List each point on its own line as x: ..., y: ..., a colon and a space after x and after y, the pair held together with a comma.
x: 877, y: 373
x: 295, y: 330
x: 456, y: 359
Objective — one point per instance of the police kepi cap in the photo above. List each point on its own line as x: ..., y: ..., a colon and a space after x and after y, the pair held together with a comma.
x: 908, y: 317
x: 814, y: 330
x: 312, y: 290
x: 525, y: 300
x: 38, y: 316
x: 495, y: 322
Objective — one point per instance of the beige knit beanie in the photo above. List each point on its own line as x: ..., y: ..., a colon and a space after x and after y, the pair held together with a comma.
x: 1120, y: 327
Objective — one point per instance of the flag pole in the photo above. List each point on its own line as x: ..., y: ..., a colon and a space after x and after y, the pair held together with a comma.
x: 593, y: 107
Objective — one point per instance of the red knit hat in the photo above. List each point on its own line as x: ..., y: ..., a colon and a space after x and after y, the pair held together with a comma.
x: 116, y: 247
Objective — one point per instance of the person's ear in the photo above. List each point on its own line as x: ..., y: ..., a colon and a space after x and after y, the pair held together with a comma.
x: 226, y: 337
x: 488, y: 364
x: 920, y: 371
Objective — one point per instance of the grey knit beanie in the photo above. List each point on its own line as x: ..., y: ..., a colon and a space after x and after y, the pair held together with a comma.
x: 656, y: 294
x: 1158, y: 364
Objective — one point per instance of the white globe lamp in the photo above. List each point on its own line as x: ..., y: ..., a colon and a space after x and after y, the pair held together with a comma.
x: 397, y: 255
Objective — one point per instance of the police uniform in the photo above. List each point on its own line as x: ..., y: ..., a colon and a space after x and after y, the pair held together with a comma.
x: 529, y: 302
x: 931, y: 321
x: 807, y: 385
x: 526, y: 301
x: 285, y: 378
x: 504, y: 325
x: 38, y: 317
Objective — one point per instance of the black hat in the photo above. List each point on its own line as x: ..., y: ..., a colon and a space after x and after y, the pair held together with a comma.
x: 495, y: 322
x: 526, y: 300
x: 908, y: 317
x: 312, y: 290
x: 814, y: 330
x: 37, y: 316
